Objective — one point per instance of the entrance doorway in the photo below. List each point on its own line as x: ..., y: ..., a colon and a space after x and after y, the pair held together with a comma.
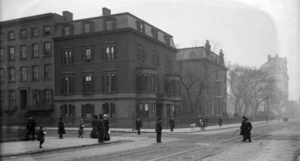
x: 23, y: 103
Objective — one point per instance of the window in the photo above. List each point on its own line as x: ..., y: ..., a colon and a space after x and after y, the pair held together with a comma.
x: 11, y: 35
x: 109, y: 52
x: 168, y: 63
x: 141, y: 54
x: 155, y: 33
x: 2, y: 54
x: 147, y: 83
x: 67, y: 110
x: 35, y: 73
x: 47, y: 70
x: 12, y: 98
x: 67, y: 30
x: 2, y: 76
x: 140, y: 26
x: 109, y: 82
x: 67, y: 84
x: 47, y: 48
x: 12, y: 74
x: 23, y: 34
x: 47, y: 30
x: 1, y: 37
x: 35, y: 32
x: 167, y: 39
x: 35, y: 51
x: 87, y: 28
x: 155, y: 59
x: 11, y: 53
x: 36, y: 98
x: 23, y: 52
x: 87, y: 111
x: 217, y: 75
x: 88, y: 84
x: 48, y: 97
x: 192, y: 55
x: 23, y: 74
x: 218, y: 88
x: 67, y: 57
x: 108, y: 25
x: 87, y: 55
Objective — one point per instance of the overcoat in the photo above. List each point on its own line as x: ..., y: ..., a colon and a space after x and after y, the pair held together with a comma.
x: 94, y: 132
x: 41, y: 135
x: 101, y: 128
x: 106, y: 125
x: 138, y: 124
x: 220, y: 121
x: 80, y: 131
x: 61, y: 127
x: 243, y: 127
x: 172, y: 123
x: 158, y: 127
x: 30, y: 125
x: 247, y: 130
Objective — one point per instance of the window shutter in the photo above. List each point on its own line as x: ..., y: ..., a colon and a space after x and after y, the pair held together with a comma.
x: 83, y: 111
x: 153, y: 59
x: 63, y: 85
x: 83, y: 84
x: 158, y: 61
x: 93, y: 110
x: 83, y: 56
x: 92, y: 54
x: 158, y: 84
x: 72, y: 84
x: 166, y: 87
x: 73, y: 109
x: 43, y: 97
x: 93, y: 83
x: 62, y: 112
x: 138, y: 54
x: 114, y: 24
x: 63, y: 58
x: 103, y: 82
x: 72, y: 57
x: 71, y: 30
x: 115, y: 52
x: 143, y: 55
x: 51, y: 96
x: 179, y: 88
x: 115, y: 85
x: 150, y: 83
x: 137, y: 82
x: 103, y: 53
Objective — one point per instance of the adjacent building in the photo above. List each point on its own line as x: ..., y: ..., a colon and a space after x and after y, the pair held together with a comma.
x: 114, y: 64
x: 203, y: 74
x: 277, y: 67
x: 27, y: 64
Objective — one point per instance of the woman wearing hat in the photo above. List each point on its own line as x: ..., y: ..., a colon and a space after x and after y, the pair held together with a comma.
x: 80, y: 131
x: 101, y: 129
x: 94, y: 132
x: 106, y: 125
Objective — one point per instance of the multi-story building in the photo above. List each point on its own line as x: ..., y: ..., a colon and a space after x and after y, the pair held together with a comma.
x: 116, y: 64
x: 203, y: 76
x: 277, y: 67
x: 26, y: 70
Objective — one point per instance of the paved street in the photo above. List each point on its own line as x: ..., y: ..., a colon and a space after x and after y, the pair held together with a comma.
x: 272, y: 141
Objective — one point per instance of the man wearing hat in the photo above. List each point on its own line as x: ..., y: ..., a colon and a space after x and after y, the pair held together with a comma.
x: 243, y: 127
x: 158, y: 129
x: 101, y: 129
x: 138, y: 125
x: 247, y: 131
x: 30, y: 127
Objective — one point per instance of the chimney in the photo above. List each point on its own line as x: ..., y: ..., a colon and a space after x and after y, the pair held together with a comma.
x: 68, y: 16
x: 207, y: 48
x: 105, y: 11
x: 269, y: 57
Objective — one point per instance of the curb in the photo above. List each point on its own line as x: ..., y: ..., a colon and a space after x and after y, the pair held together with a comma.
x: 57, y: 149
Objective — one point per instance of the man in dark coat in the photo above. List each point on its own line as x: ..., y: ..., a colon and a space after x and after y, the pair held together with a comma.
x: 138, y: 126
x: 247, y: 131
x: 243, y: 127
x: 30, y: 128
x: 220, y: 121
x: 158, y: 129
x: 61, y: 128
x: 101, y: 129
x: 172, y: 124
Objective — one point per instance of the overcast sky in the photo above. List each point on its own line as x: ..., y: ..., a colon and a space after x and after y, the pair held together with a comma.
x: 247, y: 30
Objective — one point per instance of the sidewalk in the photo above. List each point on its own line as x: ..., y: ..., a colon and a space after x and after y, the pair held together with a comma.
x: 9, y: 149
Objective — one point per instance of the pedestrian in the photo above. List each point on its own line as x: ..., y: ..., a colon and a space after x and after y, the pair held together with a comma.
x: 243, y: 127
x: 247, y: 131
x: 80, y: 131
x: 94, y: 132
x: 61, y: 128
x: 106, y: 125
x: 220, y: 121
x: 138, y: 125
x: 158, y: 130
x: 41, y: 135
x: 101, y: 129
x: 200, y: 121
x: 172, y: 124
x: 30, y: 128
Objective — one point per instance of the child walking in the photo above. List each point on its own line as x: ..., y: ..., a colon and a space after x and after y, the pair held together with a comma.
x: 41, y: 135
x: 80, y: 131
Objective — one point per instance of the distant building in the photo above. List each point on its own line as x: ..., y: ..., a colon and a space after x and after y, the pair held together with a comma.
x: 114, y: 64
x: 277, y: 67
x: 27, y: 64
x: 209, y: 70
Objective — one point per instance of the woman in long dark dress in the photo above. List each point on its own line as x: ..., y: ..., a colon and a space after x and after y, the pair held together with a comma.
x: 61, y: 128
x: 106, y: 125
x: 94, y: 132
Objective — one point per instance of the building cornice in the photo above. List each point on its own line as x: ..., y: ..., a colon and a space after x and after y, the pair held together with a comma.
x: 117, y: 31
x: 11, y: 23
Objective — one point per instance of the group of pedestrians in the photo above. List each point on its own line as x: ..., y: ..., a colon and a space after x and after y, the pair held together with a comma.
x: 202, y: 122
